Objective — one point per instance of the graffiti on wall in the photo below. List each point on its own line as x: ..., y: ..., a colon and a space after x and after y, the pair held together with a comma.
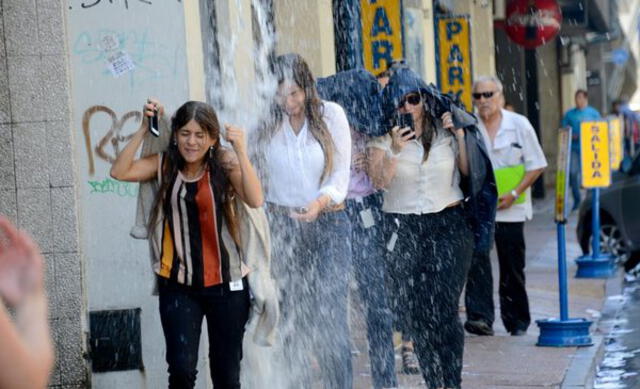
x: 90, y: 4
x: 110, y: 186
x: 113, y: 136
x: 153, y: 61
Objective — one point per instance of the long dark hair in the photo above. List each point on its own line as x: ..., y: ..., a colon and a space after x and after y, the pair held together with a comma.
x: 428, y: 128
x: 292, y: 67
x: 173, y: 162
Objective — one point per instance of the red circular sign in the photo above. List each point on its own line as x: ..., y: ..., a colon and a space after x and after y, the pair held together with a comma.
x: 532, y: 23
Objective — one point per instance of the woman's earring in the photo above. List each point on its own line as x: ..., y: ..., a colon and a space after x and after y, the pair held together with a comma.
x: 211, y: 152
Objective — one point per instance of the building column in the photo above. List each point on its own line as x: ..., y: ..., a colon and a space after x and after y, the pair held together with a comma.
x: 482, y: 42
x: 194, y: 51
x: 235, y: 42
x: 306, y: 28
x: 575, y: 78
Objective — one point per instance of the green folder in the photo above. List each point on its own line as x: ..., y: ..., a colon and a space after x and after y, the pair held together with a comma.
x: 508, y: 178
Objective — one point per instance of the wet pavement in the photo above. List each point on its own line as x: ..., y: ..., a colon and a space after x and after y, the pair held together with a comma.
x: 620, y: 365
x: 503, y: 361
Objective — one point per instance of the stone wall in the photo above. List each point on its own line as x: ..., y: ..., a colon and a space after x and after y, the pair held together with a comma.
x: 37, y: 185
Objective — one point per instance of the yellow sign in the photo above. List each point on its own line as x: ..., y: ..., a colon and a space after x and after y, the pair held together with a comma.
x: 594, y: 144
x: 615, y: 144
x: 562, y: 173
x: 381, y: 33
x: 454, y: 57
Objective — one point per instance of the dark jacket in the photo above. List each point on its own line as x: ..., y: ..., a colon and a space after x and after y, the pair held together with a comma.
x: 480, y: 191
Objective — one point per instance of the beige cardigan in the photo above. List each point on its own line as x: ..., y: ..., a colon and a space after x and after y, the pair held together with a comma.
x: 255, y: 250
x: 255, y: 242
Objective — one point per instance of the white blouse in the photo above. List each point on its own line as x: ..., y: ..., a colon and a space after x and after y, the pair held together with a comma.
x: 295, y: 162
x: 422, y: 187
x: 515, y: 143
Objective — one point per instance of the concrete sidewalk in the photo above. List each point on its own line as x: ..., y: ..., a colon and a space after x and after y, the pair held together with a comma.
x: 503, y: 361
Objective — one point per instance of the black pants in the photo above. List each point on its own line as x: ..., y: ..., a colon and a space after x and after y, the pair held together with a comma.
x: 369, y: 267
x: 181, y: 312
x: 312, y: 267
x: 514, y: 303
x: 432, y: 257
x: 479, y: 290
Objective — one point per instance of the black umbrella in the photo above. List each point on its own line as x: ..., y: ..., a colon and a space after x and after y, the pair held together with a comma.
x: 402, y: 81
x: 358, y: 92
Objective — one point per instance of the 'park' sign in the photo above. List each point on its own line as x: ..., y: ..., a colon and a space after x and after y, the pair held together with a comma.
x: 454, y: 57
x: 381, y: 33
x: 594, y: 144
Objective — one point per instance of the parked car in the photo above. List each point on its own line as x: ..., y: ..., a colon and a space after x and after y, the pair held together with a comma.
x: 619, y: 216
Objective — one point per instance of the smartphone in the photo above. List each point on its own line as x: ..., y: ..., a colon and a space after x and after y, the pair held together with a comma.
x: 153, y: 125
x: 406, y: 120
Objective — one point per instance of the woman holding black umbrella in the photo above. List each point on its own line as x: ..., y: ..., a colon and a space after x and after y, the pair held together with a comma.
x: 420, y: 167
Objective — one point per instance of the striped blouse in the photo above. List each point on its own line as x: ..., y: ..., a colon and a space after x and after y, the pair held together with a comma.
x: 192, y: 252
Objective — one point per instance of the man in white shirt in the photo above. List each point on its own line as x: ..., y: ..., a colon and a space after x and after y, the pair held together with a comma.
x: 518, y: 160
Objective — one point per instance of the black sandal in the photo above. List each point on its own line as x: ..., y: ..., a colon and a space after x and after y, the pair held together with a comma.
x: 410, y: 363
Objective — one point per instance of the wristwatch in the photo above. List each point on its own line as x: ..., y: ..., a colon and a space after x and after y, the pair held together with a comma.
x: 514, y: 193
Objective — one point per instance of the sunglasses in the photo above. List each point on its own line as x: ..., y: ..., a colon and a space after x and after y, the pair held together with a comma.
x: 486, y: 95
x: 413, y: 99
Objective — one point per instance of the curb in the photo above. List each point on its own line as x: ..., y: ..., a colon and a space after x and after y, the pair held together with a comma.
x: 582, y: 370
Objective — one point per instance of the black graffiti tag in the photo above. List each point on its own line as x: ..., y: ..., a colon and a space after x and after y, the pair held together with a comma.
x: 87, y: 4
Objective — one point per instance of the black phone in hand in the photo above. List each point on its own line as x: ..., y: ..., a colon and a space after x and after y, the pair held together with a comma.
x: 153, y: 124
x: 405, y: 120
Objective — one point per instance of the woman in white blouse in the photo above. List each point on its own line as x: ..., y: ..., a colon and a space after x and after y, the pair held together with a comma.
x: 420, y: 170
x: 307, y: 155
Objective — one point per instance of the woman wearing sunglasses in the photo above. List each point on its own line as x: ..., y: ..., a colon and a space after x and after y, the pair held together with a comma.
x: 420, y: 168
x: 306, y: 150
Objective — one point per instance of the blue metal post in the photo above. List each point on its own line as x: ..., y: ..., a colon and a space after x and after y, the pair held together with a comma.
x: 595, y: 223
x: 596, y: 264
x: 563, y: 332
x: 562, y: 272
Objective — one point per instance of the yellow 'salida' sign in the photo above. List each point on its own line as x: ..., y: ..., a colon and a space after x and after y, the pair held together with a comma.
x: 594, y: 143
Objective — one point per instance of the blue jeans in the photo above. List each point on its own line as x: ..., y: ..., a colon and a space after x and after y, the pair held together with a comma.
x: 368, y: 251
x: 311, y: 264
x: 574, y: 177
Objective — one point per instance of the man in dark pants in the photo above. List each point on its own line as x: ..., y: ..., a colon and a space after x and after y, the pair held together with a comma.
x: 518, y: 161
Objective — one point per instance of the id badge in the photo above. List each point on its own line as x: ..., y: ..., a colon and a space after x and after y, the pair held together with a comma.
x: 235, y: 286
x: 367, y: 218
x: 392, y: 242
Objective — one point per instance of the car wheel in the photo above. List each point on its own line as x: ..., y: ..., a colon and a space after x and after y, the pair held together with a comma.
x: 612, y: 242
